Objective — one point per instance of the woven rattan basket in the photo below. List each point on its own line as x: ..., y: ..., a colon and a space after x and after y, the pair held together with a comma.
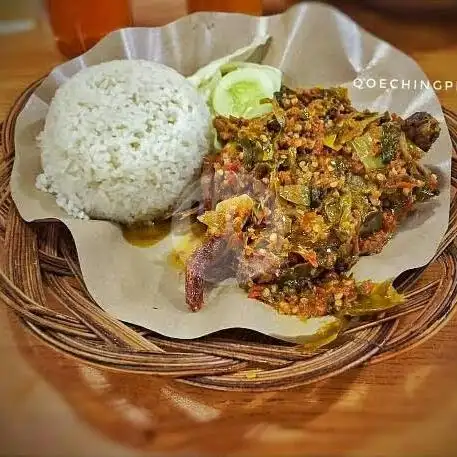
x: 42, y: 283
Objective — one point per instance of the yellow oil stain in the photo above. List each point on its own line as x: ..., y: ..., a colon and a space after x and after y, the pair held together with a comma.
x: 146, y: 234
x: 186, y: 245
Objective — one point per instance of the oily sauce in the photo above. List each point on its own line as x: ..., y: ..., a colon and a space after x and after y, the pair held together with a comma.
x: 146, y: 235
x: 186, y: 245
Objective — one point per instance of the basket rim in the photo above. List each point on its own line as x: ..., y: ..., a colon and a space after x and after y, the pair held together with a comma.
x: 41, y: 258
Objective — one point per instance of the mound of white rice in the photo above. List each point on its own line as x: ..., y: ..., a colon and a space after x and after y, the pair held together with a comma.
x: 122, y: 140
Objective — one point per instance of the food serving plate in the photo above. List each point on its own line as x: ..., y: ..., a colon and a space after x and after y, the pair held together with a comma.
x: 42, y: 256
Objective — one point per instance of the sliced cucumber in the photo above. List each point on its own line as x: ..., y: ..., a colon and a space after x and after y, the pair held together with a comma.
x: 258, y: 110
x: 275, y: 74
x: 239, y: 92
x: 208, y: 71
x: 206, y: 88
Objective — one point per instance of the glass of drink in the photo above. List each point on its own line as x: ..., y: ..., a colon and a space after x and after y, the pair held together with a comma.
x: 79, y: 24
x: 253, y: 7
x: 19, y: 16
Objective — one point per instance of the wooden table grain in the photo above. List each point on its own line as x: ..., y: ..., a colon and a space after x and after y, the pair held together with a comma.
x: 53, y: 405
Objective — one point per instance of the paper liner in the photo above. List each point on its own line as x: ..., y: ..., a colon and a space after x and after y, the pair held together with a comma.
x: 314, y: 45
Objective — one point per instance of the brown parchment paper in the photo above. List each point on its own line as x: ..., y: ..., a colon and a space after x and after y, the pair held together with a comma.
x: 314, y: 45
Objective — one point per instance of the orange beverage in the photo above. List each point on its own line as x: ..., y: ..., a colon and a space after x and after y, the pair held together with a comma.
x: 232, y: 6
x: 79, y: 24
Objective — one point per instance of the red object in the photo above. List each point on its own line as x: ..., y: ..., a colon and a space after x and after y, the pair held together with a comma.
x: 234, y: 166
x: 255, y: 291
x: 80, y: 24
x: 232, y: 6
x: 311, y: 257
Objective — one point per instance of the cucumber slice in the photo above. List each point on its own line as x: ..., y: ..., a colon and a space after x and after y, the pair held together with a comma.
x: 275, y: 74
x: 208, y: 71
x: 206, y: 88
x: 241, y: 91
x: 258, y: 110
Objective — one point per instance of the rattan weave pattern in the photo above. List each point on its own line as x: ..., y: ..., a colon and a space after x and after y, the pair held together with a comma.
x: 41, y: 281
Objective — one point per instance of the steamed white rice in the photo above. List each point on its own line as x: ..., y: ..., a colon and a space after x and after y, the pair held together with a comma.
x: 122, y: 140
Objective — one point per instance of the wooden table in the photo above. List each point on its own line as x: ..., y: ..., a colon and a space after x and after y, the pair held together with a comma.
x: 53, y: 405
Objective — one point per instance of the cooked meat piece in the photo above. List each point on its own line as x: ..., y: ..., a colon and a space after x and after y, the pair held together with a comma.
x: 198, y: 268
x: 223, y: 267
x: 325, y: 183
x: 422, y: 129
x: 259, y: 268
